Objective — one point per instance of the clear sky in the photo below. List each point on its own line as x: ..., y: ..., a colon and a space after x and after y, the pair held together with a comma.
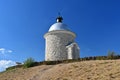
x: 24, y: 22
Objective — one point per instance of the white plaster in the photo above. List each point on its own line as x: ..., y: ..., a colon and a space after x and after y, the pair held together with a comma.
x: 57, y: 43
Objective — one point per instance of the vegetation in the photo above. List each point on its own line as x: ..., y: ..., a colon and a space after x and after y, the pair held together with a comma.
x: 28, y: 63
x: 10, y: 68
x: 111, y: 55
x: 13, y: 67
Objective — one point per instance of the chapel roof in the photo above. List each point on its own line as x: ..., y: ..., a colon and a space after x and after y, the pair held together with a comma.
x: 59, y: 25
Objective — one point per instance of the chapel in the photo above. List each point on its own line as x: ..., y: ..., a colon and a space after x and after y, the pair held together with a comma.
x: 60, y: 42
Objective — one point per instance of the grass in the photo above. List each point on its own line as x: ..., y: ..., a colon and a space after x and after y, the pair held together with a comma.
x: 31, y: 63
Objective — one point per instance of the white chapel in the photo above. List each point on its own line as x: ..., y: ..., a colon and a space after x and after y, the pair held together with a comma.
x: 60, y: 43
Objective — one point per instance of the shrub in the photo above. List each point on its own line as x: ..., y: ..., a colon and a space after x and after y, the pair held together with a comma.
x: 111, y: 55
x: 29, y: 63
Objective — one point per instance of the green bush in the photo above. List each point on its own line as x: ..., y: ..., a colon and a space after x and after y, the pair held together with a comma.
x: 29, y: 63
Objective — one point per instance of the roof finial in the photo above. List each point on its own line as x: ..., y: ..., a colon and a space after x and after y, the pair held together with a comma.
x: 59, y: 18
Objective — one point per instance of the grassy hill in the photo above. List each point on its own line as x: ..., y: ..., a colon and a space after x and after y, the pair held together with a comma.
x: 83, y: 70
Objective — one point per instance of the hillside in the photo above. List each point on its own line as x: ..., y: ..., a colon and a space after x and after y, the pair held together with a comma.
x: 84, y: 70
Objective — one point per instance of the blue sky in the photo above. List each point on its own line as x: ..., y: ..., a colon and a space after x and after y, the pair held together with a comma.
x: 24, y: 22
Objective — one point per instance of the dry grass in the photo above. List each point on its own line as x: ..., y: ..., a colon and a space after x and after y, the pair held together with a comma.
x: 85, y: 70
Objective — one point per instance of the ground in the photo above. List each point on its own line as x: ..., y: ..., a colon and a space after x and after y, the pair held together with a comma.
x: 84, y: 70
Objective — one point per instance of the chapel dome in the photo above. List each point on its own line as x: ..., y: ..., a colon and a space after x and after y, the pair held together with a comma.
x: 59, y: 25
